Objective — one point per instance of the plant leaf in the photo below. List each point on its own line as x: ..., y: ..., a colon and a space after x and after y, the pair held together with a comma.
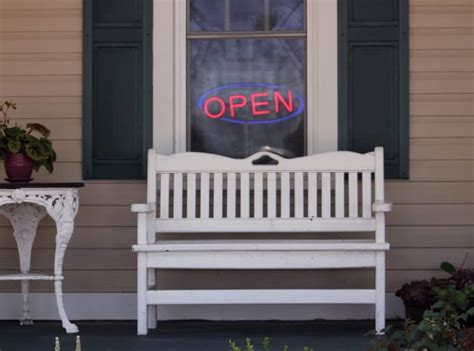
x: 36, y: 127
x: 14, y: 146
x: 448, y: 267
x: 35, y: 150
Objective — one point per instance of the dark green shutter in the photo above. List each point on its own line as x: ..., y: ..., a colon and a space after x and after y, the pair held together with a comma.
x: 117, y: 128
x: 373, y: 80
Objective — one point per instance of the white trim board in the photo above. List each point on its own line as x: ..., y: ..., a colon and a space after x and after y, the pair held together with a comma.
x: 122, y: 306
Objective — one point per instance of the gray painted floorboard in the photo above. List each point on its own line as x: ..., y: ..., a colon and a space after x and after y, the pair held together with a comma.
x: 187, y: 336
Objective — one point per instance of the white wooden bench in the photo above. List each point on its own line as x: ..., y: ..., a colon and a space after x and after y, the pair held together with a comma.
x: 203, y: 193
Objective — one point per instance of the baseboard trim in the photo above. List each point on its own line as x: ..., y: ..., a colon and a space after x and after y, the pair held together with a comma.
x: 122, y: 306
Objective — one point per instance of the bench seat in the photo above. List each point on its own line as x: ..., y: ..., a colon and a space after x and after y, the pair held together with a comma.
x: 261, y: 254
x: 262, y: 245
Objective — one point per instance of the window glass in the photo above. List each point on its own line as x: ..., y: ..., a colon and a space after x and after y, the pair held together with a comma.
x: 206, y: 16
x: 287, y: 15
x: 246, y: 15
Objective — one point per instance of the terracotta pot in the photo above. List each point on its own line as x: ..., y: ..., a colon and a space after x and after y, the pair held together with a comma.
x: 18, y: 167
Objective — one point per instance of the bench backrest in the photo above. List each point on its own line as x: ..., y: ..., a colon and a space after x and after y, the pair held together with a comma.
x: 331, y: 185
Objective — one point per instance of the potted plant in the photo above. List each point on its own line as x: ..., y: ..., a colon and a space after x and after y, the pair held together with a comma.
x: 24, y: 149
x: 419, y: 296
x: 443, y: 327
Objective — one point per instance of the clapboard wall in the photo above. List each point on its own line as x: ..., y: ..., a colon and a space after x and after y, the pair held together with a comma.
x: 433, y: 218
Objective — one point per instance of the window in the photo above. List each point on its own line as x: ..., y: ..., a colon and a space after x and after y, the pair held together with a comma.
x: 240, y: 76
x: 246, y: 77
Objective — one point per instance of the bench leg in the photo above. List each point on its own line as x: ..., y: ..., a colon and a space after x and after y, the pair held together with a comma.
x: 152, y: 310
x: 380, y: 293
x: 142, y: 285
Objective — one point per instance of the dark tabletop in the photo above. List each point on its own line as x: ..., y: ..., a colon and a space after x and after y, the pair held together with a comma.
x: 40, y: 185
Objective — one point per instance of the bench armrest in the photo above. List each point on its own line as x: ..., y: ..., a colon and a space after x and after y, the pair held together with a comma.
x: 382, y: 206
x: 143, y: 208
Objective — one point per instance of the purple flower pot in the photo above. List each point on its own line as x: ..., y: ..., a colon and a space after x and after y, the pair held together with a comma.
x: 18, y: 167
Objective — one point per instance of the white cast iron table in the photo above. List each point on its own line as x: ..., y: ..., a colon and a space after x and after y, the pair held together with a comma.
x: 25, y: 204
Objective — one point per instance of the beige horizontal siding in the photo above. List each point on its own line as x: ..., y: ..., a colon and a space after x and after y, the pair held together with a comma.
x: 441, y: 170
x: 51, y: 64
x: 44, y: 85
x: 41, y: 5
x: 442, y: 148
x: 442, y: 61
x: 447, y: 16
x: 40, y: 42
x: 442, y: 105
x: 442, y: 3
x: 442, y: 82
x: 441, y: 38
x: 41, y: 68
x: 442, y: 127
x: 49, y: 107
x: 41, y: 20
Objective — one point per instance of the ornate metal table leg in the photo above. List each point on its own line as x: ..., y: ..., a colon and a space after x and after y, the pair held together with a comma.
x: 24, y: 219
x: 65, y: 230
x: 63, y: 210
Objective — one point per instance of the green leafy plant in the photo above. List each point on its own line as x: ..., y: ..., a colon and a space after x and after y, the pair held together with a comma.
x: 250, y: 347
x: 441, y: 329
x: 31, y: 140
x: 449, y: 310
x: 421, y: 293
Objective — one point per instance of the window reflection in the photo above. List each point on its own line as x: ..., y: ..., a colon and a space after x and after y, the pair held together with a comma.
x: 246, y: 15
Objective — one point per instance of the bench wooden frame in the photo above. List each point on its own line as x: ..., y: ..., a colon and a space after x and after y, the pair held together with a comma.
x: 203, y: 193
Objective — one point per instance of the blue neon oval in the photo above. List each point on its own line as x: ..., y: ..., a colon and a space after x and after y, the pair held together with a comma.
x: 296, y: 113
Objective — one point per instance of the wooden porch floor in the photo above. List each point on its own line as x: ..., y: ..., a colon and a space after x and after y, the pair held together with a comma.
x: 187, y: 336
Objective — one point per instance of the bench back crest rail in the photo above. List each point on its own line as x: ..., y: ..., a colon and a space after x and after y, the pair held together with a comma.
x: 202, y: 193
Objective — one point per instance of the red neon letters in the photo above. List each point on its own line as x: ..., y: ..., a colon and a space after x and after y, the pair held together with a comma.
x: 260, y: 104
x: 220, y: 102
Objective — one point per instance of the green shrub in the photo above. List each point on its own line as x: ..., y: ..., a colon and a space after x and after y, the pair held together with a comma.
x: 443, y: 327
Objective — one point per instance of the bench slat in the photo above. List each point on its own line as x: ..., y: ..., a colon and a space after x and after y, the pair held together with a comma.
x: 231, y: 194
x: 244, y: 195
x: 285, y: 195
x: 339, y: 195
x: 263, y: 245
x: 164, y: 195
x: 299, y: 195
x: 366, y: 195
x: 326, y: 195
x: 218, y: 195
x: 262, y: 259
x: 260, y: 296
x: 312, y: 195
x: 353, y: 195
x: 178, y: 195
x: 191, y: 196
x: 272, y: 195
x: 264, y: 225
x: 204, y: 195
x: 258, y: 195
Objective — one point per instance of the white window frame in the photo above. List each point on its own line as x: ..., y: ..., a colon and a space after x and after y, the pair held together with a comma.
x: 169, y: 76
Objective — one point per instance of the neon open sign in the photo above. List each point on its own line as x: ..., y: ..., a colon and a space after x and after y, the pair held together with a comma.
x: 251, y: 103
